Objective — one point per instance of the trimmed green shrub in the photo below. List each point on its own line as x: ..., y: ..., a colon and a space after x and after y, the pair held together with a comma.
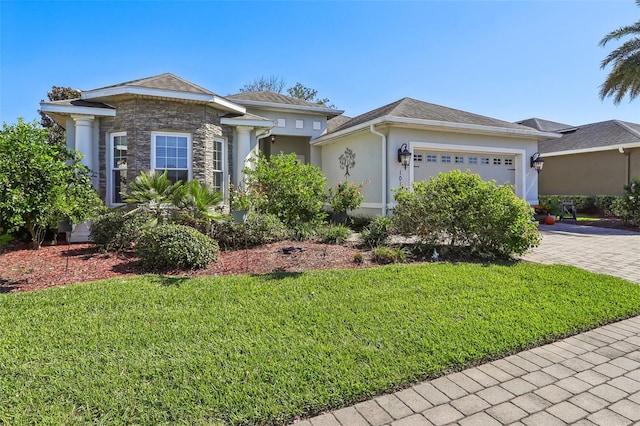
x: 628, y: 206
x: 583, y: 203
x: 604, y: 203
x: 303, y: 231
x: 460, y: 209
x: 166, y: 247
x: 257, y: 230
x: 377, y: 232
x: 386, y: 255
x: 333, y: 234
x: 117, y: 230
x: 284, y: 187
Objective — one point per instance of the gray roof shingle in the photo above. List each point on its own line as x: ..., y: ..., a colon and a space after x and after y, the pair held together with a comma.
x: 336, y: 122
x: 544, y: 125
x: 271, y: 97
x: 413, y: 108
x: 596, y: 135
x: 166, y: 81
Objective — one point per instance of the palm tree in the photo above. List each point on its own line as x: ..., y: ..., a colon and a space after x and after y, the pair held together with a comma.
x: 154, y: 192
x: 624, y: 78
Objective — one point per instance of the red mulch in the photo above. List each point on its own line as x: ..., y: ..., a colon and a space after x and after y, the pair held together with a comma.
x: 24, y: 269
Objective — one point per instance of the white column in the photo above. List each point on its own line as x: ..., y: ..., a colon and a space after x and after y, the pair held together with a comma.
x: 83, y: 125
x: 243, y: 151
x: 84, y: 142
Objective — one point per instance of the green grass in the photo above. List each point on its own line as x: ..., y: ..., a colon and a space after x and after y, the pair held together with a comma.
x: 263, y: 349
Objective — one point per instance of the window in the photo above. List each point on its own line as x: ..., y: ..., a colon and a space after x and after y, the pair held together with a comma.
x: 432, y: 158
x: 484, y: 160
x: 473, y: 160
x: 118, y: 164
x: 218, y: 164
x: 459, y: 159
x: 497, y: 161
x: 445, y: 159
x: 417, y: 158
x: 508, y: 161
x: 172, y: 152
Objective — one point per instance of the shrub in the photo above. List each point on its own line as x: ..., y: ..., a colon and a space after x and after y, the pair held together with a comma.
x: 377, y: 233
x: 460, y: 209
x: 257, y: 230
x: 357, y: 258
x: 117, y: 230
x: 386, y: 255
x: 284, y: 187
x: 345, y: 196
x: 303, y: 231
x: 166, y: 247
x: 583, y: 203
x: 604, y: 203
x: 628, y: 206
x: 333, y: 234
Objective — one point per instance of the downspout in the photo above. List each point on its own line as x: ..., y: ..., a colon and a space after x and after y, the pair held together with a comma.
x: 384, y: 168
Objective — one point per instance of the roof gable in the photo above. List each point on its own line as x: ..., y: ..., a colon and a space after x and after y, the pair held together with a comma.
x: 611, y: 133
x: 415, y: 109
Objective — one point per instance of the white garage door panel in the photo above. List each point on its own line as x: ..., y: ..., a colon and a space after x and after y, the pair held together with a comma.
x: 498, y: 167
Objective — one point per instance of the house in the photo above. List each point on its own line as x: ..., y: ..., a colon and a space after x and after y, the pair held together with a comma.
x: 167, y: 123
x: 591, y: 159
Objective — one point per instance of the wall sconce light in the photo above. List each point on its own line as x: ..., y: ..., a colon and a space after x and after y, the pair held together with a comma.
x: 273, y: 138
x: 404, y: 156
x: 537, y: 162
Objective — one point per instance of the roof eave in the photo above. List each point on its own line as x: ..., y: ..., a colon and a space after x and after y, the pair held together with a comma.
x: 71, y: 109
x: 441, y: 126
x: 590, y: 150
x: 249, y: 123
x: 291, y: 107
x: 219, y: 102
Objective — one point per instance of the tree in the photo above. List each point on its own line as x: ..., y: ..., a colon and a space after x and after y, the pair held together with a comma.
x: 41, y: 184
x: 308, y: 94
x: 57, y: 132
x: 272, y: 84
x: 624, y: 77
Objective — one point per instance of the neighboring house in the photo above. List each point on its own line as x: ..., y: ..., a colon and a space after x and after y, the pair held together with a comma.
x: 591, y: 159
x: 167, y: 123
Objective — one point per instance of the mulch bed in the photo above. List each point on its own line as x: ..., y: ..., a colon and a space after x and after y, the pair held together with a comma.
x: 25, y: 269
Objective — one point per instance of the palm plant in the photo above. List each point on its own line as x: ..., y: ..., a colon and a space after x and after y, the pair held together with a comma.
x: 200, y: 200
x: 624, y: 77
x: 155, y: 193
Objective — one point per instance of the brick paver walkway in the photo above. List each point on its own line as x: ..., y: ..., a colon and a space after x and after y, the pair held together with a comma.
x: 592, y: 378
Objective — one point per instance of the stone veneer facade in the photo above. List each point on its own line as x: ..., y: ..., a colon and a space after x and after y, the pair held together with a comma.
x: 139, y: 116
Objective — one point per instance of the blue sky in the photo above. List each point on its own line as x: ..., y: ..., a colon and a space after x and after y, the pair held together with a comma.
x: 509, y: 60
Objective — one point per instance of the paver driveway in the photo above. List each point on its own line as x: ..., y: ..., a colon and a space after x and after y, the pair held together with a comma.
x: 589, y: 379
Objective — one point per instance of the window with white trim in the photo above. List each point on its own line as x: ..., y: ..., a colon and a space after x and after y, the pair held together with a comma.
x: 445, y: 159
x: 459, y: 159
x: 497, y: 161
x: 417, y: 158
x: 484, y: 161
x: 473, y: 160
x: 508, y: 161
x: 118, y: 150
x: 171, y: 152
x: 218, y: 164
x: 432, y: 158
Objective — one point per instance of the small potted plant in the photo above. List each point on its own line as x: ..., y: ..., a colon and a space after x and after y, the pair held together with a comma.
x: 240, y: 203
x: 540, y: 212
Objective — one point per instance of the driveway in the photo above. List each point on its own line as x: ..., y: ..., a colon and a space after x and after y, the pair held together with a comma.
x: 602, y: 250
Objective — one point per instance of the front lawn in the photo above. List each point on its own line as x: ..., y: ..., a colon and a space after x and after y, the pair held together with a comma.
x: 265, y: 349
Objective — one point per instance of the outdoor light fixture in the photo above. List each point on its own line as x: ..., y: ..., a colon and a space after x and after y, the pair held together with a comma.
x: 404, y: 156
x: 273, y: 138
x: 537, y: 162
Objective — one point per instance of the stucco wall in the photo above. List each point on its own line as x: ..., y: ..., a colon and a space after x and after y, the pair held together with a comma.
x: 595, y: 173
x: 138, y: 117
x: 368, y: 149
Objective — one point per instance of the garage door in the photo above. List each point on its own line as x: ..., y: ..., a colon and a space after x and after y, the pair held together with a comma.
x: 498, y: 167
